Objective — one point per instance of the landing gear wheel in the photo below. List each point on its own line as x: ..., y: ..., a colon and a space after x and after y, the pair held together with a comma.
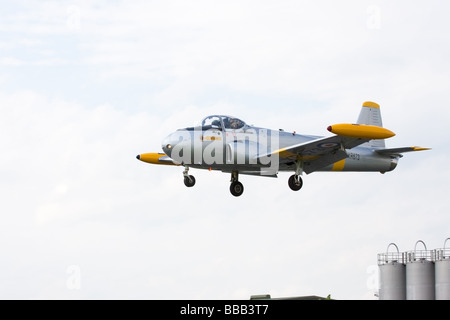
x: 189, y: 181
x: 295, y: 182
x: 236, y: 188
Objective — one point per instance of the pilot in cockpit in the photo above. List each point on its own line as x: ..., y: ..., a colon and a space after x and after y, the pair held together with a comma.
x: 235, y: 123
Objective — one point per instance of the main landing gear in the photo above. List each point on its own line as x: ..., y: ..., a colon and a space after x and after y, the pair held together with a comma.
x: 295, y: 182
x: 236, y: 188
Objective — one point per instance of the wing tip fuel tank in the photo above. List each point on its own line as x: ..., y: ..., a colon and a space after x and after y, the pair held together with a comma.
x: 360, y: 131
x: 156, y: 158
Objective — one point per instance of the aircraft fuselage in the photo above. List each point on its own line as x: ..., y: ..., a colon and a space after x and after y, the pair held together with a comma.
x: 231, y: 150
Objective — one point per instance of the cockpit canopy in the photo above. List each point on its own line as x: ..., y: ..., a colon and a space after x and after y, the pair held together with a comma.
x: 222, y: 122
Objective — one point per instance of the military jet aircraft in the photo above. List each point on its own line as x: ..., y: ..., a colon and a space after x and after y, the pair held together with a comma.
x: 230, y: 145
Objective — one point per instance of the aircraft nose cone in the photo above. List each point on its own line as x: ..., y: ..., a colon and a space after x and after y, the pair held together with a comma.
x: 168, y: 143
x: 138, y: 157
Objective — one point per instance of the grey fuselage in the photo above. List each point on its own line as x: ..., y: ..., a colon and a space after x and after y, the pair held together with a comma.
x: 255, y: 150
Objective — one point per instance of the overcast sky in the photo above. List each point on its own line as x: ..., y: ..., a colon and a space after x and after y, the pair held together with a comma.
x: 85, y: 86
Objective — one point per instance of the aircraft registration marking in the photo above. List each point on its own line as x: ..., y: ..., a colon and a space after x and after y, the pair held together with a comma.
x: 354, y: 156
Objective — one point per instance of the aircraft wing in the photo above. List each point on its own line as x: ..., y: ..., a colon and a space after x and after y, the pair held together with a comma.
x: 318, y: 153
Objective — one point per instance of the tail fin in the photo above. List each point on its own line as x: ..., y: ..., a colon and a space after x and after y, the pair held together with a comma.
x: 371, y: 115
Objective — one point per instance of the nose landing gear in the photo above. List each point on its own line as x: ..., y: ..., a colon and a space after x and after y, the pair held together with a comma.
x: 189, y: 181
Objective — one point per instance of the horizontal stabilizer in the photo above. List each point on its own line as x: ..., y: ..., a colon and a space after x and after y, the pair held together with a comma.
x: 398, y: 151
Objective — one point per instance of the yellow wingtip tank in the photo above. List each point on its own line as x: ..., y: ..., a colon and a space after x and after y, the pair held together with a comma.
x: 360, y: 131
x: 156, y: 158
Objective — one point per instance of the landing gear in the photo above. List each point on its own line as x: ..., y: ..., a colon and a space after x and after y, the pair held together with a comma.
x: 236, y: 188
x: 189, y: 181
x: 295, y: 182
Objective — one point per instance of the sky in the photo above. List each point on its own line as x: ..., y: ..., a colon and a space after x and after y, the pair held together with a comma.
x: 85, y: 86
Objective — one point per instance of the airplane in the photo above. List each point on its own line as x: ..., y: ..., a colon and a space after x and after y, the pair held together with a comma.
x: 228, y: 144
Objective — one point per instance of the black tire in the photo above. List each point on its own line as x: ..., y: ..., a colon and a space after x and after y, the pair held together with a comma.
x: 295, y: 184
x: 236, y: 188
x: 189, y: 181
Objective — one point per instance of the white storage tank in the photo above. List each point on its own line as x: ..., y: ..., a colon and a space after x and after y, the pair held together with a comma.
x: 392, y: 276
x: 420, y: 274
x: 442, y: 273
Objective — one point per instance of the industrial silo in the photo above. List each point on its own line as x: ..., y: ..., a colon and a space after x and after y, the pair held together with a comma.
x: 442, y: 273
x: 392, y: 275
x: 420, y: 274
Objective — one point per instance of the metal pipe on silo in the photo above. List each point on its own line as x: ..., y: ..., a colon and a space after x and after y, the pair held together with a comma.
x: 420, y: 274
x: 392, y: 276
x: 442, y: 273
